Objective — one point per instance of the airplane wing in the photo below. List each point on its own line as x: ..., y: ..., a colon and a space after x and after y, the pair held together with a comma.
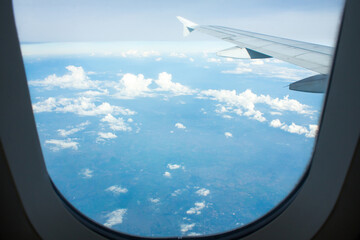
x: 256, y: 46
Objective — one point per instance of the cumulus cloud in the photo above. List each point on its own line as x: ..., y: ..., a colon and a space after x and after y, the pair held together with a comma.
x: 180, y: 126
x: 203, y: 192
x: 166, y: 84
x: 76, y: 78
x: 56, y: 144
x: 173, y: 166
x: 107, y: 135
x: 228, y: 135
x: 82, y: 106
x: 116, y: 124
x: 244, y: 103
x: 116, y: 190
x: 293, y: 128
x: 276, y: 123
x: 86, y: 173
x: 313, y: 130
x: 186, y: 227
x: 79, y: 127
x: 115, y: 217
x: 197, y: 209
x: 285, y: 104
x: 154, y: 200
x: 167, y: 174
x: 131, y: 86
x: 104, y: 136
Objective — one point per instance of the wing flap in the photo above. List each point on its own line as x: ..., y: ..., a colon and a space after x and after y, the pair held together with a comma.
x: 241, y: 53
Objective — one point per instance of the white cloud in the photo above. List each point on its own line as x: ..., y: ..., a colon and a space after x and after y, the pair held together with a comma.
x: 154, y: 200
x: 227, y: 116
x: 57, y: 144
x: 228, y: 135
x: 176, y: 193
x: 221, y: 109
x: 173, y: 166
x: 285, y: 104
x: 180, y: 126
x: 116, y: 190
x: 92, y: 93
x: 187, y: 227
x: 293, y: 128
x: 77, y: 79
x: 131, y: 86
x: 158, y: 59
x: 81, y: 106
x: 214, y: 60
x: 166, y: 84
x: 65, y: 133
x: 238, y: 70
x: 116, y: 124
x: 47, y: 105
x: 79, y: 127
x: 167, y: 174
x: 86, y: 173
x: 197, y: 209
x: 257, y: 62
x: 244, y: 103
x: 194, y: 234
x: 103, y: 136
x: 276, y: 123
x: 313, y: 130
x: 203, y: 192
x: 115, y: 217
x: 269, y: 68
x: 141, y: 54
x: 276, y: 113
x: 107, y: 135
x: 178, y: 55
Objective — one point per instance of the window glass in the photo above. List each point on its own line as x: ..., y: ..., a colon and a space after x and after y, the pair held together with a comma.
x: 152, y: 133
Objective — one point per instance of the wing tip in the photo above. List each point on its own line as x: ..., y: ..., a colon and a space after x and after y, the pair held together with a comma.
x: 189, y: 26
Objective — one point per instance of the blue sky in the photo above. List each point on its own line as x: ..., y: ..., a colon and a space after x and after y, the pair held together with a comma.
x: 41, y: 21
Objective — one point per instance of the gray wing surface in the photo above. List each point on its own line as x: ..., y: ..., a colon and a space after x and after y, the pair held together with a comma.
x: 255, y: 45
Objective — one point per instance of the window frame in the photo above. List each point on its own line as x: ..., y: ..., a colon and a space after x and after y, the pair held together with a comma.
x: 299, y: 216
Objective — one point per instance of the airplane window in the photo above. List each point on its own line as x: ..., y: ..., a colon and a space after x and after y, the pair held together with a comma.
x: 177, y: 118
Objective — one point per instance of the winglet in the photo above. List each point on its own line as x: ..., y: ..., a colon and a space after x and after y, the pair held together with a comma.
x: 188, y: 25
